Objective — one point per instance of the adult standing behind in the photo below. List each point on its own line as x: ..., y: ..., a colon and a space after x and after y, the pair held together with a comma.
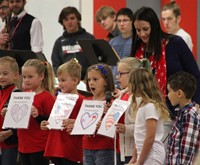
x: 66, y: 46
x: 167, y: 53
x: 105, y: 17
x: 122, y: 44
x: 171, y: 18
x: 25, y: 30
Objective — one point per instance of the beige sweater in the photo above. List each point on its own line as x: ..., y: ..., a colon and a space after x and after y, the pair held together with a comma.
x: 127, y: 139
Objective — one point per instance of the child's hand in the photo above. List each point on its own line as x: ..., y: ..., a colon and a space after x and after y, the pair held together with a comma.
x: 69, y: 128
x: 132, y: 161
x: 43, y: 125
x: 120, y: 128
x: 5, y: 134
x: 67, y: 122
x: 3, y: 111
x: 34, y: 112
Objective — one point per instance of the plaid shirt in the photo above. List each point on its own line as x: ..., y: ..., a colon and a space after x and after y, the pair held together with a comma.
x: 184, y: 138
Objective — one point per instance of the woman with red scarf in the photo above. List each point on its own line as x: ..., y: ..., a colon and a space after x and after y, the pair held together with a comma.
x: 167, y: 53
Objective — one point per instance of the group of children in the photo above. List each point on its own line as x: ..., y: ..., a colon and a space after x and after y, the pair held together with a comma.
x: 139, y: 131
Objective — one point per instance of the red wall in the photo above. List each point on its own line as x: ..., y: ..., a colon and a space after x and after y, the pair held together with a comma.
x: 189, y: 19
x: 116, y: 4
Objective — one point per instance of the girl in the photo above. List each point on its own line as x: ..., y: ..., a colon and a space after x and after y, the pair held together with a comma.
x: 125, y: 126
x: 97, y: 149
x: 66, y: 149
x: 37, y: 77
x: 150, y: 112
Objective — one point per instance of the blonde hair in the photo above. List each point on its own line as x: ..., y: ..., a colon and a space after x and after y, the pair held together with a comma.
x: 144, y: 83
x: 103, y: 12
x: 72, y: 67
x: 12, y: 64
x: 45, y: 68
x: 133, y: 63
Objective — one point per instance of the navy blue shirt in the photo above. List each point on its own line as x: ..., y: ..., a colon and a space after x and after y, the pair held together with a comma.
x: 180, y: 58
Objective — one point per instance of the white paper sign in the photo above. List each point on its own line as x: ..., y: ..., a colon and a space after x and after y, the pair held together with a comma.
x: 88, y: 117
x: 19, y: 110
x: 62, y: 109
x: 111, y: 118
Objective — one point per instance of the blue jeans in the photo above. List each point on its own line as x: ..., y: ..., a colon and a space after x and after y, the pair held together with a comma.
x: 9, y: 156
x: 98, y: 157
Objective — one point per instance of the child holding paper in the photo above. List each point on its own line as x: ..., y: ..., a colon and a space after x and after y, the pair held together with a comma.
x: 63, y: 148
x: 97, y: 149
x: 125, y: 126
x: 37, y: 77
x: 9, y: 74
x: 150, y: 113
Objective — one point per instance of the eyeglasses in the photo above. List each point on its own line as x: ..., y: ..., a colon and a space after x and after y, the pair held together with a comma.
x: 4, y: 7
x: 119, y: 74
x: 123, y: 21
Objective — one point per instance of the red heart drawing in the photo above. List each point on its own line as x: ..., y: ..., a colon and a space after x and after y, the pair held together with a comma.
x: 18, y: 112
x: 88, y: 119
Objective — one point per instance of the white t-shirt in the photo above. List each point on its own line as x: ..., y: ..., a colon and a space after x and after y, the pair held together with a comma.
x: 157, y: 153
x: 186, y: 37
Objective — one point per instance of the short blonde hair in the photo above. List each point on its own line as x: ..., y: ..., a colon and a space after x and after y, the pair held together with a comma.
x: 11, y: 62
x: 72, y: 67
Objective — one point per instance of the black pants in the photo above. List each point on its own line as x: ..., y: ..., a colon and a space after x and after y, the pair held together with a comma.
x: 35, y: 158
x: 62, y: 161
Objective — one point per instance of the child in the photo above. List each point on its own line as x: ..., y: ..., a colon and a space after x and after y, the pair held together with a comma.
x: 62, y: 148
x: 150, y: 111
x: 184, y: 138
x: 37, y: 77
x: 98, y: 149
x: 9, y: 74
x: 125, y: 126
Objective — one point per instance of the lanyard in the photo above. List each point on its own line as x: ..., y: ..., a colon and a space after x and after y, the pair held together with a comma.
x: 14, y: 30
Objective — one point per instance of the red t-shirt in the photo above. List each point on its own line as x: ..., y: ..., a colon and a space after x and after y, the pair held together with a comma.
x: 97, y: 142
x: 4, y: 96
x: 61, y: 144
x: 34, y: 139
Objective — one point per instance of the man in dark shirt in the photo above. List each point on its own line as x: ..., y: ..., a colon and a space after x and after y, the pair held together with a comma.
x: 66, y: 46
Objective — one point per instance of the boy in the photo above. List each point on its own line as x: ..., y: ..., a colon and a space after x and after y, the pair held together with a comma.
x: 184, y: 138
x: 105, y: 17
x: 66, y: 149
x: 9, y: 73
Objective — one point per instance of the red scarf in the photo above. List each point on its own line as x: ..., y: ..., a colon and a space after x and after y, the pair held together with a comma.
x: 159, y: 66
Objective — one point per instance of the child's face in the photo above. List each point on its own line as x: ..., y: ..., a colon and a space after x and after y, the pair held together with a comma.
x: 31, y: 79
x: 173, y: 96
x: 7, y: 75
x: 67, y: 83
x: 96, y: 83
x: 122, y: 76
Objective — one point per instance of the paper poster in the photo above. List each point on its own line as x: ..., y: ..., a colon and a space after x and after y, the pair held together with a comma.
x: 88, y: 117
x: 62, y: 109
x: 19, y: 110
x: 111, y: 118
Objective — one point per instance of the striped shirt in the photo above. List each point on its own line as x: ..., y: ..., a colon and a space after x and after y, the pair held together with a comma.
x: 184, y: 138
